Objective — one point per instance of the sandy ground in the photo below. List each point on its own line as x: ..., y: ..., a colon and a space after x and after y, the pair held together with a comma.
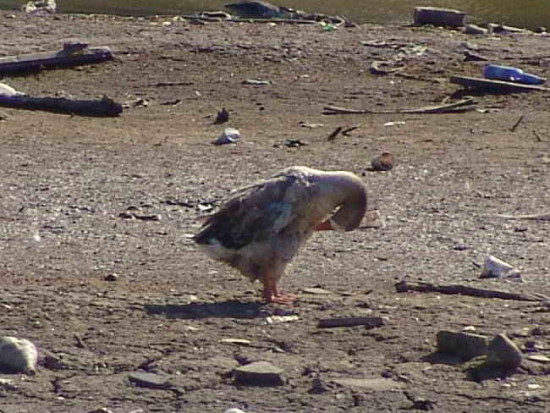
x: 66, y: 180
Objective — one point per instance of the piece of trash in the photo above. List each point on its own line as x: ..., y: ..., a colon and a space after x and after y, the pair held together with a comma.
x: 7, y: 90
x: 475, y: 30
x: 384, y: 162
x: 229, y: 135
x: 398, y: 123
x: 511, y: 74
x: 539, y: 358
x: 294, y: 143
x: 238, y: 341
x: 39, y: 7
x: 278, y: 319
x: 311, y: 125
x: 438, y: 16
x: 205, y: 207
x: 222, y: 117
x: 18, y: 355
x: 495, y: 268
x: 256, y: 82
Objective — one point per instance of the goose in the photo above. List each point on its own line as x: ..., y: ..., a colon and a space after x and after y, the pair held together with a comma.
x: 261, y: 227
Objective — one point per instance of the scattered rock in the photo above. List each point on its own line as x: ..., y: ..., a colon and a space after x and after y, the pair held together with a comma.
x: 294, y: 143
x: 149, y: 380
x: 221, y: 117
x: 464, y: 345
x: 503, y: 352
x: 318, y: 386
x: 100, y: 410
x: 260, y: 373
x: 234, y: 410
x: 18, y: 355
x: 111, y: 277
x: 384, y: 162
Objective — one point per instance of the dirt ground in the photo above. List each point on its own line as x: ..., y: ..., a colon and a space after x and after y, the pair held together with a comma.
x: 103, y: 296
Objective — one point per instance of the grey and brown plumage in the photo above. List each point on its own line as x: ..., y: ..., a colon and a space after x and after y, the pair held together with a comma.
x: 261, y: 227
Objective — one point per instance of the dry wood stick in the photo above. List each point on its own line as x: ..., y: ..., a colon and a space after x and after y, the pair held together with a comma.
x: 513, y: 128
x: 445, y: 108
x: 369, y: 322
x: 423, y: 287
x: 533, y: 217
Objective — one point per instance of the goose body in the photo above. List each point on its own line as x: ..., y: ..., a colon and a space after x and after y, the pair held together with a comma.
x: 261, y: 227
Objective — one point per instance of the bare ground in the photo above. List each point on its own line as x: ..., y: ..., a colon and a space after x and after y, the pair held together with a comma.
x: 66, y: 180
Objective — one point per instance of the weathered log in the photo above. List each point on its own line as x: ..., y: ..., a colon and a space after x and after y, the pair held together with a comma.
x: 369, y: 322
x: 498, y: 86
x: 438, y: 16
x: 70, y: 55
x: 103, y: 107
x: 423, y: 287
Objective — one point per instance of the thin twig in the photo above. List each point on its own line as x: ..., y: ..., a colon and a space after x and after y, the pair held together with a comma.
x: 334, y: 134
x: 533, y: 217
x: 461, y: 105
x: 538, y: 136
x: 406, y: 286
x: 513, y: 129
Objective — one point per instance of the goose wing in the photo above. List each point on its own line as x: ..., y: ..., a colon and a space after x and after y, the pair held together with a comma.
x: 257, y: 212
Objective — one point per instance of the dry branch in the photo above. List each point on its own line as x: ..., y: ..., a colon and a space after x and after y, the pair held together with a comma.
x: 369, y: 322
x: 533, y: 217
x: 497, y: 86
x: 103, y: 107
x: 66, y: 57
x: 459, y: 106
x: 423, y: 287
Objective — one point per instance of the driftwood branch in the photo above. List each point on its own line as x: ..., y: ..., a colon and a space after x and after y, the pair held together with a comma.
x: 70, y: 55
x: 406, y: 286
x: 459, y: 106
x: 533, y: 217
x: 369, y: 322
x: 103, y: 107
x: 497, y: 86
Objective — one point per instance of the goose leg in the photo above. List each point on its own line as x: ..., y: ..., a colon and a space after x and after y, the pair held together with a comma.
x: 271, y: 293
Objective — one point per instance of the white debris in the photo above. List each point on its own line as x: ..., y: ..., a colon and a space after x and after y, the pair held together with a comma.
x: 229, y: 135
x: 495, y: 268
x: 19, y: 355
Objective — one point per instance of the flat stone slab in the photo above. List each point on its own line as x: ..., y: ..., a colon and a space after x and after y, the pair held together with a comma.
x: 260, y: 373
x: 149, y: 380
x: 376, y: 384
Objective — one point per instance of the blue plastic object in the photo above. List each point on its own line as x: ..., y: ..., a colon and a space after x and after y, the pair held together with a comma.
x: 511, y: 74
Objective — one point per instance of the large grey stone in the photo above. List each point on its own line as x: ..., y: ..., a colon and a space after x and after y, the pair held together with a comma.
x: 504, y: 353
x: 464, y: 345
x: 259, y: 373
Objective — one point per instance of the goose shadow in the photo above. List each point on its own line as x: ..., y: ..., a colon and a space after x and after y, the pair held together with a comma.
x: 224, y: 309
